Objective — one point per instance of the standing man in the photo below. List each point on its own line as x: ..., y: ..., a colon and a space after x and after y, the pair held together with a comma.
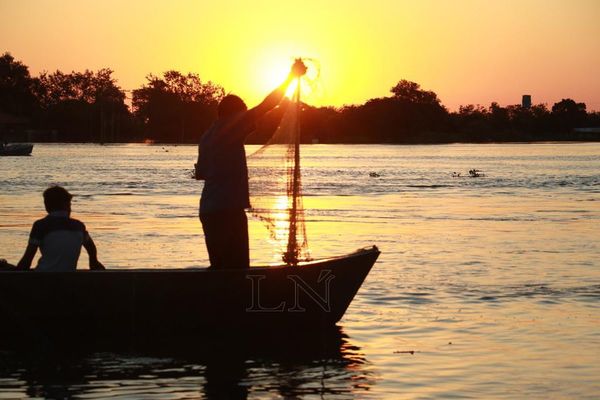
x: 222, y: 166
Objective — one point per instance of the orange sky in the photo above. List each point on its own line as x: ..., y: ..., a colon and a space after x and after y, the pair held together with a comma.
x: 466, y: 51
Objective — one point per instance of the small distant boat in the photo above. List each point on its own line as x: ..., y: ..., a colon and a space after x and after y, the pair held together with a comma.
x: 16, y: 149
x: 123, y: 303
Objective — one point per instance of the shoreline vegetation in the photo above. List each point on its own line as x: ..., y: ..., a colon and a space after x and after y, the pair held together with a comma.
x: 176, y: 108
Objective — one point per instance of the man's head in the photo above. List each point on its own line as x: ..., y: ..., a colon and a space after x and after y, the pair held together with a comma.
x: 230, y: 105
x: 56, y: 198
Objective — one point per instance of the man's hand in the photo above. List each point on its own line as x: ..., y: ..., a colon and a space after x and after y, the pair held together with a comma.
x: 96, y: 265
x: 6, y: 266
x: 299, y: 68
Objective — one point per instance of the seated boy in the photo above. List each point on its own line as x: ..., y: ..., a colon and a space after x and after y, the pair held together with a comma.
x: 58, y: 236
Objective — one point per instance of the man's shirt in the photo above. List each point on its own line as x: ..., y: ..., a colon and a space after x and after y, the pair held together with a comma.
x: 222, y: 164
x: 59, y: 238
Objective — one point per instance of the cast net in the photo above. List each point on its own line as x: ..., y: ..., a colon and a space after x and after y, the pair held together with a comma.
x: 275, y: 183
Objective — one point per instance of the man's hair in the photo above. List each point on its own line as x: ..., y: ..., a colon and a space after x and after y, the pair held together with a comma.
x: 231, y: 105
x: 56, y: 198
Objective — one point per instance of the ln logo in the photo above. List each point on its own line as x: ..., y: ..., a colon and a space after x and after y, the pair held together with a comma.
x: 299, y: 284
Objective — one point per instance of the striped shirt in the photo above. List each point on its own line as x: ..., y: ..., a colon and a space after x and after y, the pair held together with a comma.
x: 59, y: 238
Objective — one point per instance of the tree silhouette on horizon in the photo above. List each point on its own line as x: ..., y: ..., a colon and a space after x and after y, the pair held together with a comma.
x: 177, y: 108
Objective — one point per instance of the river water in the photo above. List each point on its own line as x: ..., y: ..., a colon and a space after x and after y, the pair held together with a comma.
x: 486, y: 287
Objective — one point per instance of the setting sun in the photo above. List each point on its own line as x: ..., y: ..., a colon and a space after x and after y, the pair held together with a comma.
x: 273, y: 69
x: 270, y: 69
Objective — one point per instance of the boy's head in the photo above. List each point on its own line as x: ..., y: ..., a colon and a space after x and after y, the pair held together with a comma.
x: 56, y: 198
x: 230, y: 105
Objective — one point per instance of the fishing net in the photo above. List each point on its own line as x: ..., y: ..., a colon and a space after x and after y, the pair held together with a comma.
x: 275, y: 183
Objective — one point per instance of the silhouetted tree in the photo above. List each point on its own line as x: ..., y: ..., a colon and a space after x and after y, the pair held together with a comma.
x: 473, y: 118
x: 569, y: 114
x: 411, y: 115
x: 421, y: 115
x: 520, y: 120
x: 593, y: 119
x: 411, y: 92
x: 315, y: 123
x: 16, y: 88
x: 176, y: 107
x: 499, y: 118
x: 83, y: 105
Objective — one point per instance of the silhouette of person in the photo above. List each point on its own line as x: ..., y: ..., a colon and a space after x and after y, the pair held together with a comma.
x: 222, y: 165
x: 58, y: 236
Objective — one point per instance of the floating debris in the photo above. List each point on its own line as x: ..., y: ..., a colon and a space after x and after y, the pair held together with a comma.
x: 374, y: 175
x: 476, y: 173
x: 473, y: 173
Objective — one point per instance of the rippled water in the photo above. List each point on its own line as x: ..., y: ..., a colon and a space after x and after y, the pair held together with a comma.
x: 486, y: 287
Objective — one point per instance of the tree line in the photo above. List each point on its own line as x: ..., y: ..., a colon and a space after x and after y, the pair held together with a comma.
x: 90, y: 106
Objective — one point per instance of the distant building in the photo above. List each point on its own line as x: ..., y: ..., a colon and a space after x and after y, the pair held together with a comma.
x: 526, y: 102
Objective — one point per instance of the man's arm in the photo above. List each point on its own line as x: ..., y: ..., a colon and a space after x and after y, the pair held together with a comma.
x: 247, y: 120
x: 274, y: 98
x: 90, y: 247
x: 27, y: 259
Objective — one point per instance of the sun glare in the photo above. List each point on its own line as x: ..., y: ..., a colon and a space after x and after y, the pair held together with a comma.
x: 305, y: 88
x: 273, y: 72
x: 289, y: 93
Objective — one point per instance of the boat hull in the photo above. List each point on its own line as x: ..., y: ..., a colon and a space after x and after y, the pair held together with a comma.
x: 181, y: 301
x: 16, y: 149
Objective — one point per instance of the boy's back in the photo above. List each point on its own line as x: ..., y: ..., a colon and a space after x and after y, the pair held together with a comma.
x: 58, y: 236
x: 59, y: 239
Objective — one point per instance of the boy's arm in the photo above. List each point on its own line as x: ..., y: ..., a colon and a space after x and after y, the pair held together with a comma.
x: 27, y: 259
x: 90, y: 247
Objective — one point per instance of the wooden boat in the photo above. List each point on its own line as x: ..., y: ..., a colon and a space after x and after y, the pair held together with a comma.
x: 16, y: 149
x: 173, y: 302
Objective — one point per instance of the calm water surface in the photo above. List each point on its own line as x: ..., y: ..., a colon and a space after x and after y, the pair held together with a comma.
x: 486, y: 287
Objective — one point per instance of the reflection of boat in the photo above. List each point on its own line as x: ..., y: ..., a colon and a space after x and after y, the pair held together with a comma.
x: 174, y: 302
x: 16, y: 149
x: 232, y: 366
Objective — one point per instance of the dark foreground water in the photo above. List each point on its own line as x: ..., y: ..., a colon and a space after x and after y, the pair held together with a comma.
x: 486, y: 288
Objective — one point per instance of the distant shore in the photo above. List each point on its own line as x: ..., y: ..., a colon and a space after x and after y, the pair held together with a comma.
x: 550, y: 141
x: 175, y: 107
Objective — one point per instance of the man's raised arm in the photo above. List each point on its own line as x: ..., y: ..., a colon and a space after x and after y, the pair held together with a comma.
x: 274, y: 98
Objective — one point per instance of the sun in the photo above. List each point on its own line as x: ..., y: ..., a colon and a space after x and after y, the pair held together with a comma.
x: 273, y: 72
x: 271, y: 75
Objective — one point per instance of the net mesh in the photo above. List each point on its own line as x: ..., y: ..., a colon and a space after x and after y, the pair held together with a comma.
x: 275, y: 184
